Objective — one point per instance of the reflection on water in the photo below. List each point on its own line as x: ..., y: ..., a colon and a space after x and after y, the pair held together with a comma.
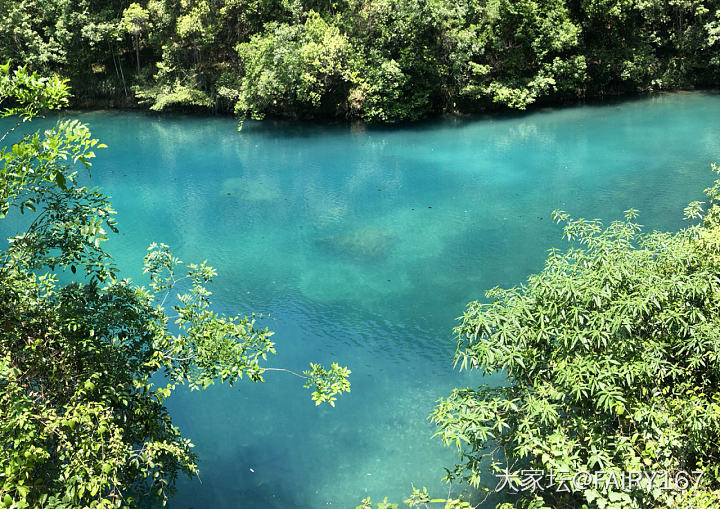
x: 363, y: 245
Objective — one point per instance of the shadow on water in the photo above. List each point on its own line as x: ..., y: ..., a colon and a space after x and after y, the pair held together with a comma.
x: 255, y: 476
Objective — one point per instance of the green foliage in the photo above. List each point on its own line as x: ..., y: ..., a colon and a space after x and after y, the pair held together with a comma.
x: 136, y: 22
x: 291, y: 68
x: 418, y: 498
x: 666, y: 44
x: 517, y: 52
x: 376, y: 60
x: 327, y: 383
x: 421, y: 498
x: 695, y: 499
x: 175, y: 94
x: 367, y: 504
x: 81, y: 422
x: 29, y: 93
x: 399, y: 52
x: 611, y: 354
x: 75, y: 39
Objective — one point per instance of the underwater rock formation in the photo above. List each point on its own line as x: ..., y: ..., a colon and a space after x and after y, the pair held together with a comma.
x: 365, y: 244
x: 252, y: 190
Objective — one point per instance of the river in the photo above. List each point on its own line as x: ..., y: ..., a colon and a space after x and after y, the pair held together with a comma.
x: 362, y: 245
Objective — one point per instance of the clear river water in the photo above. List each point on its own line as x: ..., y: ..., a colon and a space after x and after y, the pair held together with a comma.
x: 363, y: 245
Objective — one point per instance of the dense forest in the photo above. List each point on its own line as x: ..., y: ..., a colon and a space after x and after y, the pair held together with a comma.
x: 375, y: 60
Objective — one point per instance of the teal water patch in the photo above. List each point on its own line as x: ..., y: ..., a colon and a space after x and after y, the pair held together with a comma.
x: 363, y: 245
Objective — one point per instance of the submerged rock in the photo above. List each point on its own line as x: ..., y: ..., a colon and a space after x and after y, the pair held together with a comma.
x: 250, y: 190
x: 365, y: 244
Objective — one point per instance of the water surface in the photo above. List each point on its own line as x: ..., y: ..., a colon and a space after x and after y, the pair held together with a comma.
x: 363, y: 245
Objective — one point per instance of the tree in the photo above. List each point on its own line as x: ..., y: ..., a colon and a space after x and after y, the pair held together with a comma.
x: 516, y: 52
x: 399, y: 60
x: 612, y: 360
x: 136, y: 22
x: 81, y: 423
x: 293, y: 68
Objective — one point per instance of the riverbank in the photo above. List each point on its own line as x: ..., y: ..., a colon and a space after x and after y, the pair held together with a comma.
x: 130, y: 103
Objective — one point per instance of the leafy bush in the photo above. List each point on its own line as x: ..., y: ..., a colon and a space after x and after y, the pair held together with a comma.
x: 291, y: 68
x: 611, y: 355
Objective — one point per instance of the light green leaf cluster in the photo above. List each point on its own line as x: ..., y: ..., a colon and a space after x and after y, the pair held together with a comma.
x: 29, y: 94
x: 135, y: 20
x: 517, y: 52
x: 176, y: 94
x: 292, y: 67
x: 327, y: 383
x: 612, y: 359
x: 418, y: 498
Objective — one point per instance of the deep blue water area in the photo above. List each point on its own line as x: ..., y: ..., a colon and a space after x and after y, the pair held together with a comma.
x: 363, y: 245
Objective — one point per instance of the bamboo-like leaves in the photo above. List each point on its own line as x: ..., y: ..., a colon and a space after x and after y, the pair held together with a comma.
x: 611, y: 349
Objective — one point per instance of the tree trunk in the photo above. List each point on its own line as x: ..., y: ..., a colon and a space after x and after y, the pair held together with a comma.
x: 123, y: 76
x: 118, y: 68
x: 137, y: 53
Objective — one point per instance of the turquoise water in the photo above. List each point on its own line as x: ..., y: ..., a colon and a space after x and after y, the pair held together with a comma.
x: 363, y: 245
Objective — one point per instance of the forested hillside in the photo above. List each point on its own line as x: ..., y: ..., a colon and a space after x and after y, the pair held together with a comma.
x: 376, y: 60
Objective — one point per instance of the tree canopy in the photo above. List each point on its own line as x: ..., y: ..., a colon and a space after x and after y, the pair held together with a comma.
x: 376, y: 60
